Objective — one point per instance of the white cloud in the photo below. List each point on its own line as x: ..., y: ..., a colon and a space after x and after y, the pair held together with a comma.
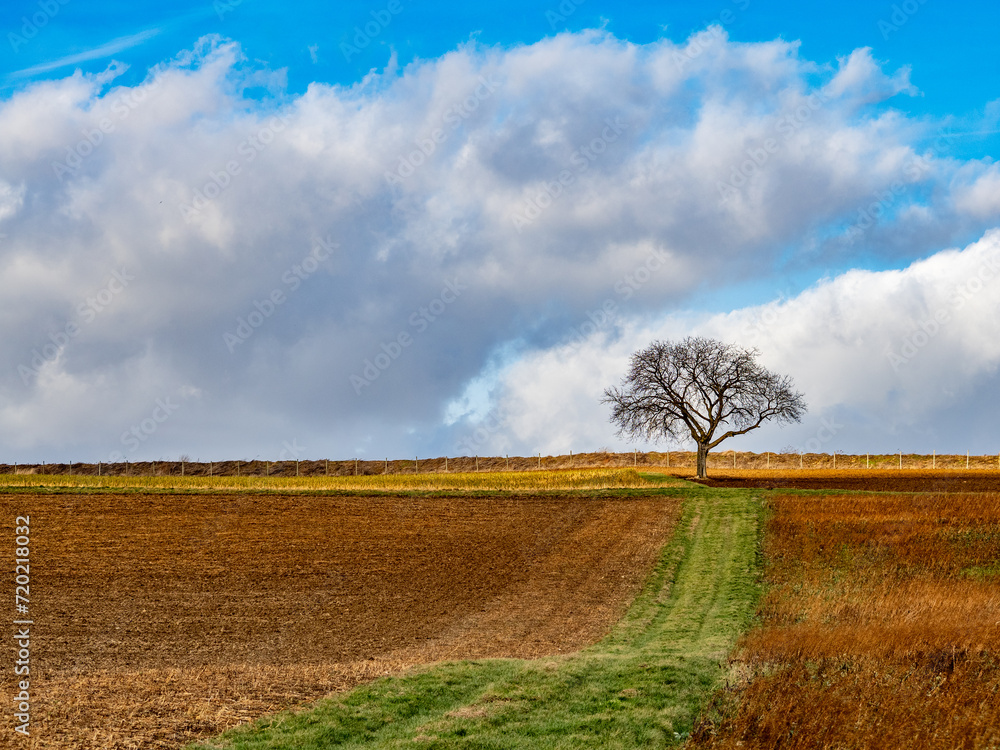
x: 906, y: 356
x: 11, y: 199
x: 538, y: 179
x: 860, y: 77
x: 981, y: 198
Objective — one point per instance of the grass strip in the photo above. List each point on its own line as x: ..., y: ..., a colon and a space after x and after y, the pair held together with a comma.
x: 642, y: 686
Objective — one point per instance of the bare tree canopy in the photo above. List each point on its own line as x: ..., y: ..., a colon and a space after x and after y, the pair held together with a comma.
x: 695, y: 387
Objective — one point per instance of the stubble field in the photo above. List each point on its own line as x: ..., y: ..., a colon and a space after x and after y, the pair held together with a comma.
x: 880, y: 627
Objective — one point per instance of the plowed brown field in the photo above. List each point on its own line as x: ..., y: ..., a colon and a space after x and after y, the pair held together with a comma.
x: 163, y: 618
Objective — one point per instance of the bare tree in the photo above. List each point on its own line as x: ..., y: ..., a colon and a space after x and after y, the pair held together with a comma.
x: 695, y: 387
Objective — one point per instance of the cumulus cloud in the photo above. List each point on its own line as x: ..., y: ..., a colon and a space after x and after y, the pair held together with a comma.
x: 338, y: 267
x: 860, y: 77
x: 886, y: 359
x: 980, y: 197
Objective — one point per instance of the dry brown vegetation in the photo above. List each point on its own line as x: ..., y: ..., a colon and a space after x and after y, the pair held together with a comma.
x: 881, y: 628
x: 163, y: 618
x: 871, y: 480
x: 682, y: 461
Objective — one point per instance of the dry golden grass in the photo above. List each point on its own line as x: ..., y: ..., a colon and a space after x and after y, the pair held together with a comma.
x: 513, y: 481
x: 881, y: 628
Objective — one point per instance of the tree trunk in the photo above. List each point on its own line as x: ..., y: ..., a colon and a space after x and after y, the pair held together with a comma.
x: 702, y: 460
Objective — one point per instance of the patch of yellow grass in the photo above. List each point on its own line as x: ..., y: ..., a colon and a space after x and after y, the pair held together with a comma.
x: 509, y: 481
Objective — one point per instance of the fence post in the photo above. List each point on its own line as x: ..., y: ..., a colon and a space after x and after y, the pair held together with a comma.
x: 416, y: 464
x: 800, y: 460
x: 635, y: 457
x: 98, y: 468
x: 326, y: 467
x: 934, y: 459
x: 445, y: 464
x: 507, y: 458
x: 477, y: 462
x: 539, y: 460
x: 868, y: 463
x: 901, y: 460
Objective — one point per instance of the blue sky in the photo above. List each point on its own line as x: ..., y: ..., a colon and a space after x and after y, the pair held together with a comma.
x: 201, y: 166
x: 952, y: 47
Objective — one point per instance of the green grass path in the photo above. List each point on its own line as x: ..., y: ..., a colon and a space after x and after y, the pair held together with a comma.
x: 640, y: 687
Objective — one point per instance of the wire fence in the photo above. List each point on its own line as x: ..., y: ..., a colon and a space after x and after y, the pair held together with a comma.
x: 678, y: 460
